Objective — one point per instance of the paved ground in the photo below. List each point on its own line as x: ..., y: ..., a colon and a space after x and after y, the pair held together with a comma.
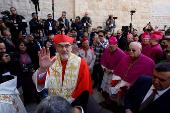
x: 31, y: 107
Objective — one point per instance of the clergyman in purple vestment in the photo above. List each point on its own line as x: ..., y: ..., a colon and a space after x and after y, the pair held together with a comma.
x: 110, y: 59
x: 145, y: 42
x: 132, y: 66
x: 155, y: 52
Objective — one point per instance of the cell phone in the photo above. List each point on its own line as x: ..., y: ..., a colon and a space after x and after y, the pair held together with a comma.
x: 149, y: 22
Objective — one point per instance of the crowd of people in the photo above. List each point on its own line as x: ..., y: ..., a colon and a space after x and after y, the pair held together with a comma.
x: 58, y: 61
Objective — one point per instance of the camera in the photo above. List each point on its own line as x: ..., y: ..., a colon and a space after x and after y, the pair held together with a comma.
x: 5, y: 18
x: 132, y: 11
x: 61, y: 25
x: 110, y: 17
x: 14, y: 56
x: 114, y: 18
x: 36, y: 35
x: 84, y: 19
x: 23, y: 34
x: 27, y: 68
x: 72, y: 20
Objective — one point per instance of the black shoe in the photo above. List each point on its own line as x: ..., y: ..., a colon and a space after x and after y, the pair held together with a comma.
x: 99, y: 88
x: 38, y: 99
x: 95, y: 85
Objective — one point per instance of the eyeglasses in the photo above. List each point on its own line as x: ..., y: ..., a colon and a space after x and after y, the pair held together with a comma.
x: 118, y: 33
x: 61, y: 46
x: 131, y: 50
x: 100, y: 35
x: 167, y: 51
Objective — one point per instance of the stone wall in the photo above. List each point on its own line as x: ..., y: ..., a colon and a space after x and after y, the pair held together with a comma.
x: 155, y: 11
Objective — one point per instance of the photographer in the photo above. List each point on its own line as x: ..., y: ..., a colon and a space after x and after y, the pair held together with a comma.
x: 49, y: 25
x: 86, y: 22
x: 18, y: 23
x: 50, y: 44
x: 25, y: 73
x: 76, y: 24
x: 110, y: 23
x: 148, y: 28
x: 34, y: 24
x: 64, y: 23
x: 34, y: 45
x: 22, y: 36
x: 9, y: 65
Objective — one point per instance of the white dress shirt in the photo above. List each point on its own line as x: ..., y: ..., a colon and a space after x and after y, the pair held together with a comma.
x: 157, y: 95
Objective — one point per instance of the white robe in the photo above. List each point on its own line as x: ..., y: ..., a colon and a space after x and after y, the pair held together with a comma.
x: 10, y: 101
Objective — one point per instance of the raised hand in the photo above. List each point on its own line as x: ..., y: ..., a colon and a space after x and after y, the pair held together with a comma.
x: 44, y: 60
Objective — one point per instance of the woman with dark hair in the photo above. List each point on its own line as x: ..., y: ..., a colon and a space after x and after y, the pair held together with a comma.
x: 92, y: 38
x: 25, y: 74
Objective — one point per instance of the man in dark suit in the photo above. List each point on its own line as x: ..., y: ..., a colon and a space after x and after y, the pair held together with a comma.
x: 84, y: 103
x: 34, y: 24
x: 50, y: 25
x: 121, y: 40
x: 64, y: 23
x: 150, y: 95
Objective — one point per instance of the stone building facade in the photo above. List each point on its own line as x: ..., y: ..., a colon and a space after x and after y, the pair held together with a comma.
x: 155, y: 11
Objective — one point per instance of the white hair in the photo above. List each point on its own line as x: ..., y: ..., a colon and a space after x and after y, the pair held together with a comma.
x: 136, y: 43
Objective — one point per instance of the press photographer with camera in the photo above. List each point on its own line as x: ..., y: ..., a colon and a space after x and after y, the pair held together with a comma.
x: 49, y: 43
x: 22, y: 36
x: 64, y: 23
x: 77, y: 24
x: 18, y: 23
x: 86, y: 22
x: 49, y: 25
x: 25, y: 73
x: 110, y: 23
x: 9, y: 62
x: 148, y: 28
x: 34, y: 26
x: 34, y: 45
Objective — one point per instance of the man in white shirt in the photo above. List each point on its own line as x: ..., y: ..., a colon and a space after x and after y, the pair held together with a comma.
x: 150, y: 95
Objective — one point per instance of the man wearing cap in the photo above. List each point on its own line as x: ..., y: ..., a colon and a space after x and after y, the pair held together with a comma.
x: 130, y: 68
x: 110, y: 59
x: 65, y: 74
x: 87, y: 53
x: 155, y: 52
x: 145, y: 42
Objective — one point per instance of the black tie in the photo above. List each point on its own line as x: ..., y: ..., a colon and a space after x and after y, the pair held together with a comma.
x: 148, y: 101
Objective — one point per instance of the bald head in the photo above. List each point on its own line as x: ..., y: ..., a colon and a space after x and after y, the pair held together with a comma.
x: 7, y: 35
x: 134, y: 49
x: 119, y: 32
x: 86, y: 14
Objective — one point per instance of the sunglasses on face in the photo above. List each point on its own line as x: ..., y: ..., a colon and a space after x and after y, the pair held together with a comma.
x: 118, y: 33
x: 100, y: 35
x: 167, y: 51
x: 131, y: 50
